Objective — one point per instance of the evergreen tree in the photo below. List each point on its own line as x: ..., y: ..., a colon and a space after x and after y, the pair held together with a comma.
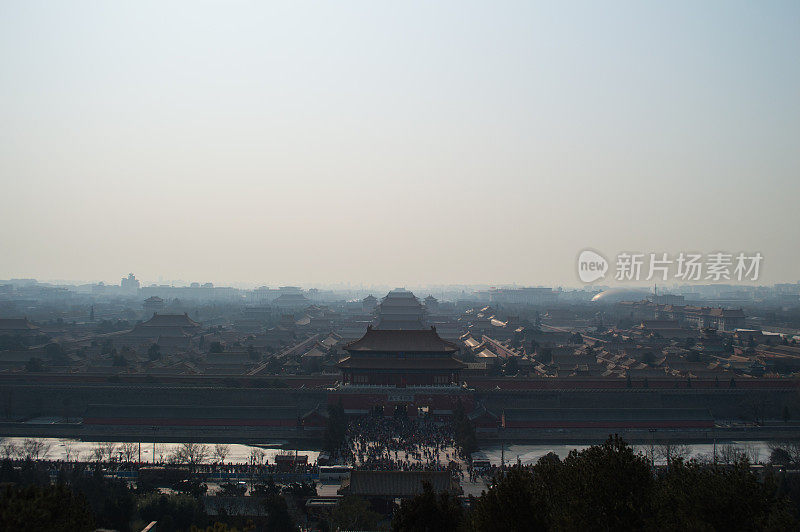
x: 52, y: 507
x: 429, y: 512
x: 335, y: 429
x: 465, y: 439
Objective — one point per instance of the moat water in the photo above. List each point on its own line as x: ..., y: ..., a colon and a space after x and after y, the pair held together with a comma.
x: 64, y: 448
x: 528, y: 454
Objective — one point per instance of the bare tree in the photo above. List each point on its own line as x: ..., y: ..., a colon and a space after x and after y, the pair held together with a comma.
x: 791, y: 448
x: 160, y: 451
x: 108, y: 448
x: 752, y: 452
x: 8, y: 449
x: 35, y: 448
x: 129, y: 451
x: 221, y: 451
x: 69, y: 450
x: 647, y: 451
x: 257, y: 456
x: 729, y: 453
x: 670, y: 451
x: 98, y: 453
x: 174, y: 458
x: 191, y: 453
x: 704, y: 458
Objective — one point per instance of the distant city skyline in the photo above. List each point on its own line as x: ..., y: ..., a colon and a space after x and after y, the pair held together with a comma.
x: 420, y: 289
x: 398, y: 145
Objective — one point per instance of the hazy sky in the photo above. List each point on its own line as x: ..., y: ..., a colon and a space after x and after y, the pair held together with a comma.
x: 393, y: 142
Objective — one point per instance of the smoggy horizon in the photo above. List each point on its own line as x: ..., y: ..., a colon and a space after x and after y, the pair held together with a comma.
x: 394, y: 145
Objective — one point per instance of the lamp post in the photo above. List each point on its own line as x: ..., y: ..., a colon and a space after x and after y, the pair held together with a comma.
x: 652, y: 448
x: 154, y: 429
x: 714, y: 436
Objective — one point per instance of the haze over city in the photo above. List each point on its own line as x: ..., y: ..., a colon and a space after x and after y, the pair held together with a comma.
x: 459, y: 142
x: 457, y: 266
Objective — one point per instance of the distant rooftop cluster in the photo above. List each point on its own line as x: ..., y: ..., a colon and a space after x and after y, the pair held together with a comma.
x: 530, y: 332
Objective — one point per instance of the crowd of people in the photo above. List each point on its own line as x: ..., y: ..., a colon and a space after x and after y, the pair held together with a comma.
x: 401, y: 443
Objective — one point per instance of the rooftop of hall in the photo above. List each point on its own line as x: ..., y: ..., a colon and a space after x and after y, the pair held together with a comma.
x: 399, y: 295
x: 412, y: 340
x: 170, y: 320
x: 428, y: 364
x: 396, y: 484
x: 292, y: 298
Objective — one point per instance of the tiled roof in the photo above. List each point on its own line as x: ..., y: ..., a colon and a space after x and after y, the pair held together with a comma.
x: 419, y: 341
x: 170, y: 320
x: 314, y: 352
x: 400, y: 363
x: 396, y: 484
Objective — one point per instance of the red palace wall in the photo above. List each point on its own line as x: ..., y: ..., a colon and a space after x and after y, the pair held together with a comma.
x: 607, y: 424
x: 190, y: 422
x: 527, y: 383
x: 399, y: 397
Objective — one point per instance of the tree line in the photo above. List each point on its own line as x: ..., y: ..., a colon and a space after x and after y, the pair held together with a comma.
x: 611, y: 487
x: 82, y: 498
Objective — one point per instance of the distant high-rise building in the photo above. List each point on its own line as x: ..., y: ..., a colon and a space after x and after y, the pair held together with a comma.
x: 130, y: 284
x: 667, y: 299
x: 524, y: 296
